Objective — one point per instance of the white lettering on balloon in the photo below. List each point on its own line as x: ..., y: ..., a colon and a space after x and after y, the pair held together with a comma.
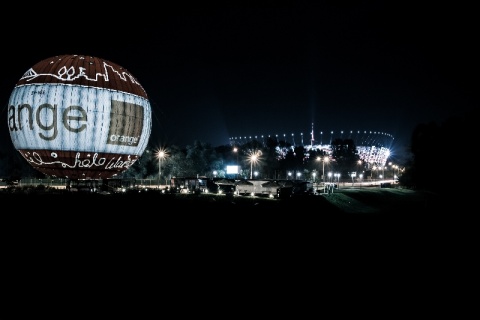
x: 70, y: 74
x: 95, y: 161
x: 125, y: 139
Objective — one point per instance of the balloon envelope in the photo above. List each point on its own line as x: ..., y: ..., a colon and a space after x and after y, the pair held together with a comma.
x: 79, y: 117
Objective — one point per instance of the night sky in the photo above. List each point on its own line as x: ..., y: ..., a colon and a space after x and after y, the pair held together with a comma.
x: 217, y: 73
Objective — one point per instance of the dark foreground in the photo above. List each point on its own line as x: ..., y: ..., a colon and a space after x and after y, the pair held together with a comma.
x: 186, y: 232
x: 355, y: 206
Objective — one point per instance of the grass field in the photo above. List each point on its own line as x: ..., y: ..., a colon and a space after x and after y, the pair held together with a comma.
x: 378, y: 200
x: 343, y: 202
x: 300, y: 224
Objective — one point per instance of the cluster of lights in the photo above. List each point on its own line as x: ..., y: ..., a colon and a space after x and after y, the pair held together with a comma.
x: 372, y: 146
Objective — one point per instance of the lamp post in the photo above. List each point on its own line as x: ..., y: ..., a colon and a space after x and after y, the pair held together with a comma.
x: 325, y: 158
x: 323, y: 168
x: 160, y: 155
x: 251, y: 165
x: 394, y: 175
x: 235, y: 149
x: 253, y: 158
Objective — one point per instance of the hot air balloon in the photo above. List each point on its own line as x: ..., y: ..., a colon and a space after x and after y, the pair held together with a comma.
x: 79, y: 117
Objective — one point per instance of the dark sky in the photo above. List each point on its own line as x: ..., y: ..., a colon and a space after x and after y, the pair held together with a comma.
x: 217, y: 73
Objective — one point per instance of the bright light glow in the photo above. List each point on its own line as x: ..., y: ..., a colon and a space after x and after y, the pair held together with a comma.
x: 161, y: 155
x: 253, y: 157
x: 233, y: 170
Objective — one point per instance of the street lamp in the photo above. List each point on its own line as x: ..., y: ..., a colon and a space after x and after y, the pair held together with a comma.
x: 235, y: 149
x: 254, y: 157
x: 324, y: 159
x: 323, y: 167
x: 394, y: 175
x: 160, y: 155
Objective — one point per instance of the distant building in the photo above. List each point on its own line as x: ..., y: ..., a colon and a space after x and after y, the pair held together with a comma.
x: 373, y: 146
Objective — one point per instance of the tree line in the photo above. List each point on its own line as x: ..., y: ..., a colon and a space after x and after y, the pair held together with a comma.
x: 441, y: 156
x: 269, y: 160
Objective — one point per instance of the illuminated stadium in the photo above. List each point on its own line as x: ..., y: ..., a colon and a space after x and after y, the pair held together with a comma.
x: 373, y: 147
